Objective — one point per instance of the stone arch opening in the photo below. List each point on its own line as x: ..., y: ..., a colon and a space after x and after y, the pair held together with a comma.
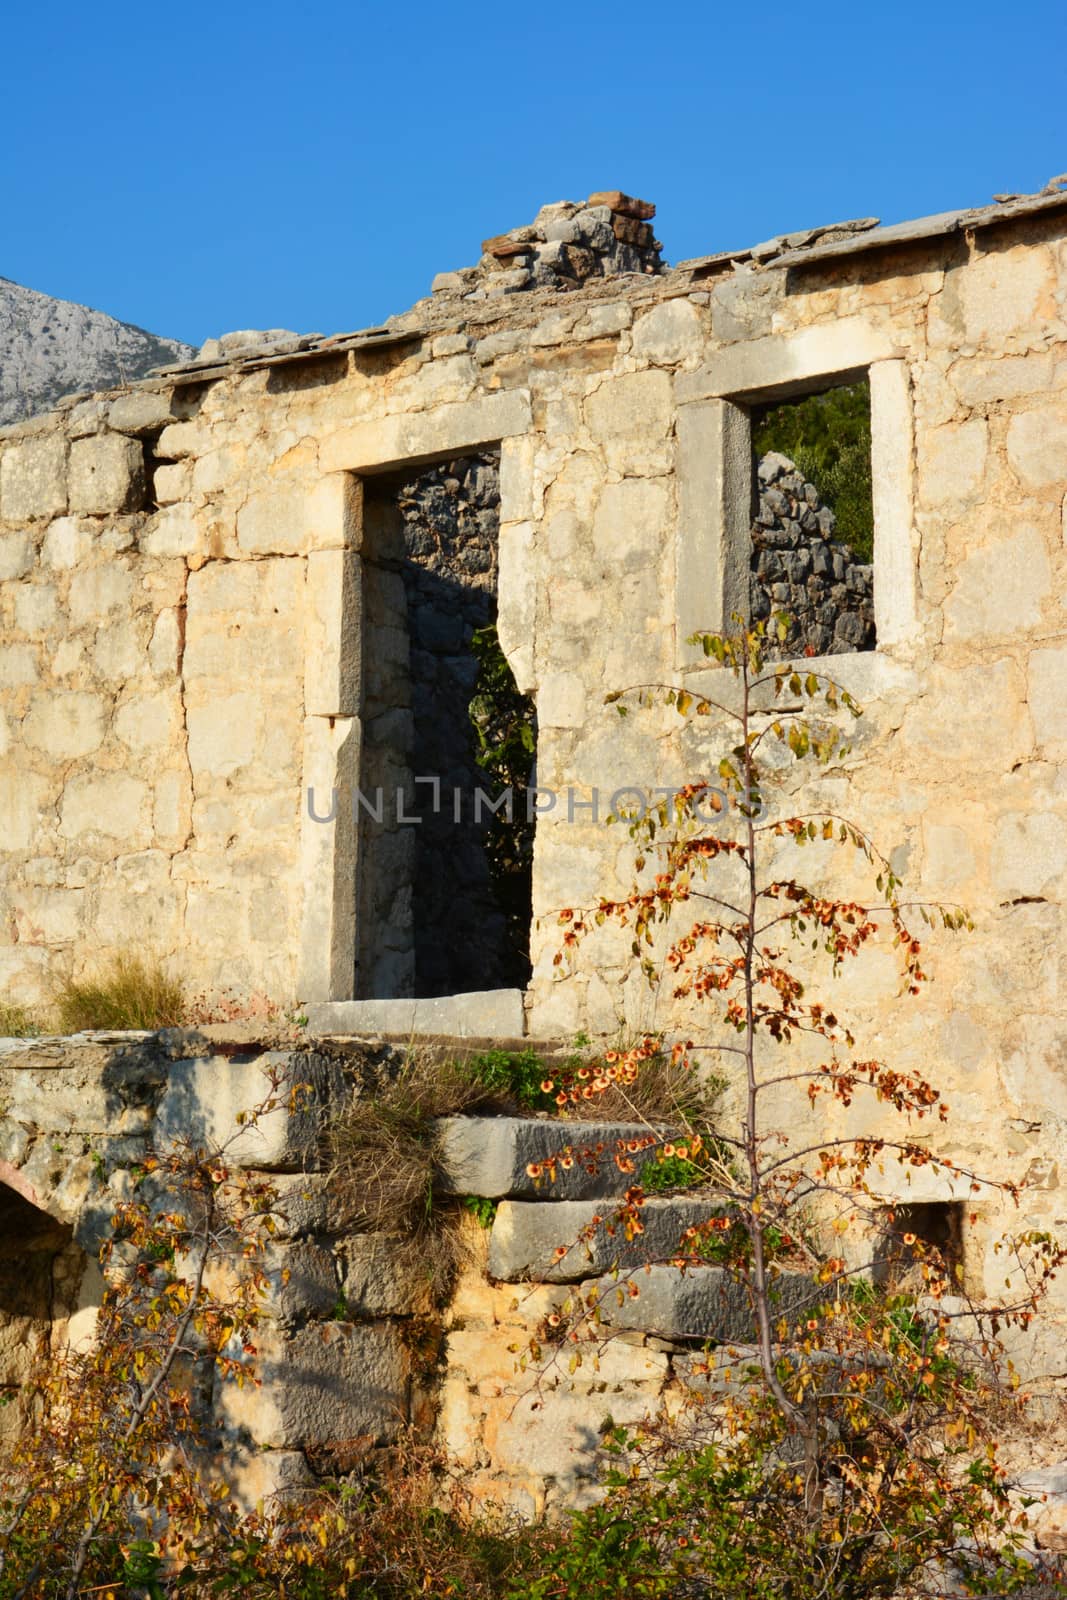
x: 46, y: 1294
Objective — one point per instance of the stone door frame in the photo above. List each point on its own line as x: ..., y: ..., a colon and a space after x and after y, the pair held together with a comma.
x: 333, y: 697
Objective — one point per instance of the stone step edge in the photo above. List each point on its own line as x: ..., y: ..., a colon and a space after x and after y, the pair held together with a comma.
x: 499, y: 1158
x: 538, y: 1243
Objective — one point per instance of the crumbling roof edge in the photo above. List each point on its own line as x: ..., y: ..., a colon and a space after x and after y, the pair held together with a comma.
x: 825, y: 242
x: 939, y: 225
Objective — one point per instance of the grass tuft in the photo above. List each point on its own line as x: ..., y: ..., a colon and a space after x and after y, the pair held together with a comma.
x: 17, y: 1022
x: 130, y: 992
x: 383, y: 1151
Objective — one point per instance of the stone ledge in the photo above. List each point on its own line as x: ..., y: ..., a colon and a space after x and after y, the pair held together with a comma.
x: 489, y: 1156
x: 526, y: 1236
x: 695, y: 1303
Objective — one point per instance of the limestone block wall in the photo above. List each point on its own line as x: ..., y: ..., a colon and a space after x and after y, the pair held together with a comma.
x: 76, y: 1115
x: 355, y: 1347
x: 183, y: 613
x: 152, y: 710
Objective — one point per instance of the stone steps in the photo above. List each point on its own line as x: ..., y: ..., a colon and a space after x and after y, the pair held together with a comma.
x: 705, y: 1302
x: 491, y: 1157
x: 485, y: 1013
x: 570, y: 1231
x: 527, y: 1235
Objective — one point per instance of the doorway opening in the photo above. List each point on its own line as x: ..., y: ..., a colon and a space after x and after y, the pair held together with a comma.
x: 445, y: 847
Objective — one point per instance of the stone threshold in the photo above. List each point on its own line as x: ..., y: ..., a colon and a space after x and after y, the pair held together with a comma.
x: 483, y: 1013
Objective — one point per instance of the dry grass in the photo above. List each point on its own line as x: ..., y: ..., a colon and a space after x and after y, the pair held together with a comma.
x: 383, y: 1157
x: 663, y: 1093
x: 131, y: 991
x: 17, y: 1022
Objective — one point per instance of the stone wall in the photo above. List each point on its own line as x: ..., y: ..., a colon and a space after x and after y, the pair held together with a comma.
x: 356, y: 1347
x: 181, y: 664
x: 151, y: 705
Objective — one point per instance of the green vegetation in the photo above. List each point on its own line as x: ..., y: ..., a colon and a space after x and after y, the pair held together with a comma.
x: 671, y: 1172
x: 516, y: 1074
x: 481, y: 1208
x: 828, y: 436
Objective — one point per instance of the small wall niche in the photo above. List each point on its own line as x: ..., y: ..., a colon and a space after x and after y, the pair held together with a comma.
x: 930, y: 1230
x: 812, y: 529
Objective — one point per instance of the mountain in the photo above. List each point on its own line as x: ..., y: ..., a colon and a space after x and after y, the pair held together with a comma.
x: 50, y: 348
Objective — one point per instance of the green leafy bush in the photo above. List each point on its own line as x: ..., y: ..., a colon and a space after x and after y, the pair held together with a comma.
x: 518, y: 1074
x: 671, y: 1172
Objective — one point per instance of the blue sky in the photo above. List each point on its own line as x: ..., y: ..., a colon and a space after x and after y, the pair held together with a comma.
x: 204, y: 167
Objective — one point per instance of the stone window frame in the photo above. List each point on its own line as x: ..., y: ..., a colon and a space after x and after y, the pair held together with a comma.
x: 714, y: 466
x: 333, y: 691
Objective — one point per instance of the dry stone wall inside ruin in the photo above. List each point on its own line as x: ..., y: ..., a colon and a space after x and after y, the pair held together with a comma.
x: 800, y: 569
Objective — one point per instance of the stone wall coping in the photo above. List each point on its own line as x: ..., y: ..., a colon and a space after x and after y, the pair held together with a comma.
x: 939, y: 225
x: 227, y: 1038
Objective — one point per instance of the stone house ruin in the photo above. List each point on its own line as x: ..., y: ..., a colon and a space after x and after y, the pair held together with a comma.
x: 238, y: 603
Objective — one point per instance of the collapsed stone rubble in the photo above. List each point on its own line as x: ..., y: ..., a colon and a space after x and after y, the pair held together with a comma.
x: 564, y: 246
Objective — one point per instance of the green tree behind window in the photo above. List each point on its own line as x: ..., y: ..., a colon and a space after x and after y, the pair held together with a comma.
x: 828, y: 436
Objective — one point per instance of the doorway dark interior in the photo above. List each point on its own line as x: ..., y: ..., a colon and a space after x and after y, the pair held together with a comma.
x: 445, y: 901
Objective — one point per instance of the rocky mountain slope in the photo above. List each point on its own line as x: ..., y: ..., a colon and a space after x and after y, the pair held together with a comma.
x: 49, y: 348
